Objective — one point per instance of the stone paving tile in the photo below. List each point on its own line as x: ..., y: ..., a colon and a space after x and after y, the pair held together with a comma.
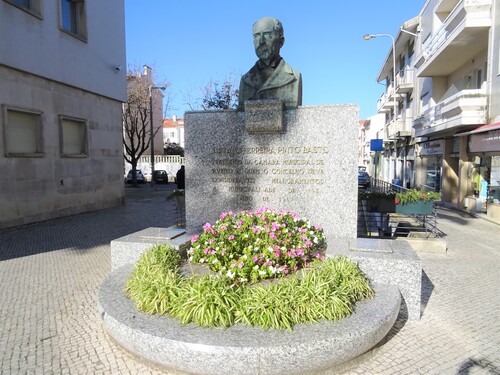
x: 50, y: 273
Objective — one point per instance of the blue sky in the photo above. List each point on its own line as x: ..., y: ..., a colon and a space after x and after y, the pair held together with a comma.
x: 192, y: 42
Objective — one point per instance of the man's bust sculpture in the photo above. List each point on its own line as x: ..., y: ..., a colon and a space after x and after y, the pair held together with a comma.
x: 271, y: 77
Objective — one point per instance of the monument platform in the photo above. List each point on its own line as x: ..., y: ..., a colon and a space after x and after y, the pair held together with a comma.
x: 242, y: 350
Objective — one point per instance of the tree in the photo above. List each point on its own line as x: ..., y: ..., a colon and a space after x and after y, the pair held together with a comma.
x: 136, y: 116
x: 173, y: 149
x: 220, y: 96
x: 217, y: 95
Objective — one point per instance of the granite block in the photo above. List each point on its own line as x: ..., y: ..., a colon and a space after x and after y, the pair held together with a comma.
x: 387, y: 262
x: 128, y: 249
x: 310, y: 168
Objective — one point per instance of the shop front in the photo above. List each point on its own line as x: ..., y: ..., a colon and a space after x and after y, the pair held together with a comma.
x: 431, y: 162
x: 484, y: 152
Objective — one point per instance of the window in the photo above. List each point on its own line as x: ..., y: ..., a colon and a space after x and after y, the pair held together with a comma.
x: 30, y: 6
x: 73, y: 137
x: 73, y: 18
x: 23, y: 133
x: 411, y: 48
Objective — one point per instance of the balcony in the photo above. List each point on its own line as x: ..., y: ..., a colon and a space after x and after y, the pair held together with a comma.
x: 463, y: 111
x: 399, y: 128
x: 386, y: 101
x: 463, y: 34
x: 405, y: 81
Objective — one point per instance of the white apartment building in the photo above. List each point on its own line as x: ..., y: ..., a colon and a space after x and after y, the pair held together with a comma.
x: 173, y: 130
x: 62, y: 84
x: 445, y: 135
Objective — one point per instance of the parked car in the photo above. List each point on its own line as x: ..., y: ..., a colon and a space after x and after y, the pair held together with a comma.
x: 363, y: 179
x: 160, y: 177
x: 139, y: 176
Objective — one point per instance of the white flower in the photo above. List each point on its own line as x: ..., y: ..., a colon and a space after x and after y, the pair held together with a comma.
x: 256, y: 267
x: 191, y: 258
x: 230, y: 274
x: 262, y: 272
x: 202, y: 260
x: 315, y: 240
x: 244, y: 256
x: 243, y: 279
x: 215, y: 261
x: 231, y: 256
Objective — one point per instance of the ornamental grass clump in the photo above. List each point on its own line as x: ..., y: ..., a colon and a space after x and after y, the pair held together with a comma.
x: 249, y: 246
x: 326, y: 290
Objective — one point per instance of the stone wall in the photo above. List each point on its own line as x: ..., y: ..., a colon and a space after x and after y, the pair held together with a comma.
x: 308, y: 166
x: 50, y: 185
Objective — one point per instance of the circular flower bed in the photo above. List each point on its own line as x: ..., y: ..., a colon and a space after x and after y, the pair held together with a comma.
x: 242, y: 249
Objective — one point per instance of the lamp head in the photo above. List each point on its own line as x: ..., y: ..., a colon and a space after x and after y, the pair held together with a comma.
x: 367, y: 36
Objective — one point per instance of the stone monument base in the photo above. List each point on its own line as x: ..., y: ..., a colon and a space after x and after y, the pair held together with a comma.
x: 310, y: 348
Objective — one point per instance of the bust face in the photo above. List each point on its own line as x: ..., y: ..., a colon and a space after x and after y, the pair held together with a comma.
x: 266, y: 40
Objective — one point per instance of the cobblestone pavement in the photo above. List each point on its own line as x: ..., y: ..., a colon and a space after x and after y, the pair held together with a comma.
x: 50, y: 273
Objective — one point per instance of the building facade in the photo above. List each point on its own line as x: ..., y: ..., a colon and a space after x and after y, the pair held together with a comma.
x: 444, y: 136
x: 173, y: 131
x: 62, y: 84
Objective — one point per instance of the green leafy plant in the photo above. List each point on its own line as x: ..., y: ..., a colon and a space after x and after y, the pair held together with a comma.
x: 416, y: 195
x: 377, y: 195
x: 328, y: 290
x: 249, y: 246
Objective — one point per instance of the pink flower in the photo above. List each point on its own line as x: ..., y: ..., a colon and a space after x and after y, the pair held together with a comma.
x: 231, y: 237
x: 277, y: 254
x: 241, y: 265
x: 255, y: 258
x: 194, y: 238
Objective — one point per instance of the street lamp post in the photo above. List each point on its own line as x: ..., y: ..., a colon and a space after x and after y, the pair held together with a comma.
x: 152, y: 147
x: 395, y: 104
x: 370, y: 36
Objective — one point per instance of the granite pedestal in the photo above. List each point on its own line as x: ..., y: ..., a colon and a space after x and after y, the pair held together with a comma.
x: 243, y: 350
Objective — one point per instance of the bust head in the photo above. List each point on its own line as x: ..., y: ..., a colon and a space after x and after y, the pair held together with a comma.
x: 268, y: 39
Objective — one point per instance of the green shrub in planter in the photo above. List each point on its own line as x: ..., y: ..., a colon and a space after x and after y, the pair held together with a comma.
x: 327, y: 289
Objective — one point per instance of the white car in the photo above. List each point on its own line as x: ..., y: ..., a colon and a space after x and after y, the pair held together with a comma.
x: 139, y: 176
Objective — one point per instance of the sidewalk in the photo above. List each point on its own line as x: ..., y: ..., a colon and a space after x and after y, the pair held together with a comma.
x: 50, y: 273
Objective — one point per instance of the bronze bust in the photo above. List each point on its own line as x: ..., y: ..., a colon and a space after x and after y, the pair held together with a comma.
x: 271, y: 77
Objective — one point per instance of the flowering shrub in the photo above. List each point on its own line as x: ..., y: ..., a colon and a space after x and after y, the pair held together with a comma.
x: 249, y: 246
x: 415, y: 195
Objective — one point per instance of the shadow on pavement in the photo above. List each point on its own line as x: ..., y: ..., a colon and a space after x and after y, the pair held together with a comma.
x: 468, y: 366
x: 144, y: 207
x: 427, y: 288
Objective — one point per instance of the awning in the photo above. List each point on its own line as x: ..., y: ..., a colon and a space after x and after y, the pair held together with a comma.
x: 480, y: 129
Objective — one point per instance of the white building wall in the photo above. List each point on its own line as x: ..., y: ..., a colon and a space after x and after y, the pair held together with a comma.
x: 40, y: 47
x: 52, y: 73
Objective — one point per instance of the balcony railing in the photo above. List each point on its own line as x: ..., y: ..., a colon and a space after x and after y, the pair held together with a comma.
x: 399, y: 128
x: 466, y: 14
x: 467, y: 107
x: 405, y: 80
x: 386, y: 101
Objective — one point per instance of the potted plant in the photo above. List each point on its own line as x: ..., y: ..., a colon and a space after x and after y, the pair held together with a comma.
x: 379, y: 201
x: 415, y: 201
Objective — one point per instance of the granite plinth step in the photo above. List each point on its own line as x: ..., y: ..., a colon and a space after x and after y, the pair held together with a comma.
x: 128, y: 249
x: 392, y: 262
x: 165, y: 342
